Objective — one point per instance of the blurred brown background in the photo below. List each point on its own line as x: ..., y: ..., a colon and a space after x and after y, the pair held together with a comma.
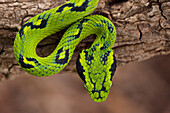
x: 138, y: 88
x: 143, y: 87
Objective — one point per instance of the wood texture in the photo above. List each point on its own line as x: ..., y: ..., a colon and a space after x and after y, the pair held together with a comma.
x: 143, y: 30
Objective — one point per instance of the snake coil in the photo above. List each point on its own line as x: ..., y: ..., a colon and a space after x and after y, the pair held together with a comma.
x: 96, y: 65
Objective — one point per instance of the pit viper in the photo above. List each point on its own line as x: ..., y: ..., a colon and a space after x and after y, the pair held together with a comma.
x: 95, y: 66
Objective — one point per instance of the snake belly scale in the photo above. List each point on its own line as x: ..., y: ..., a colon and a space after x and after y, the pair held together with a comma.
x: 95, y: 66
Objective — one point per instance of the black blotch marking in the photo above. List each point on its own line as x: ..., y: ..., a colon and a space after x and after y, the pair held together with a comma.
x: 103, y: 37
x: 30, y: 24
x: 34, y: 60
x: 59, y: 51
x: 103, y: 88
x: 105, y: 57
x: 42, y: 74
x: 74, y: 8
x: 24, y: 65
x: 93, y: 48
x: 80, y: 27
x: 104, y: 47
x: 113, y: 67
x: 110, y: 27
x: 80, y: 69
x: 42, y: 16
x: 62, y: 61
x: 88, y: 57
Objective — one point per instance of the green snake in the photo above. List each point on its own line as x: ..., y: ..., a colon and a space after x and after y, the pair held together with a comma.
x: 95, y: 66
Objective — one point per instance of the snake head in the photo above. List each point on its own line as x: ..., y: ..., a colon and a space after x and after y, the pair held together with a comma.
x: 96, y: 70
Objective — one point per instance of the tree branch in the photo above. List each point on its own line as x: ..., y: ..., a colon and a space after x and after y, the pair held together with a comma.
x: 143, y: 30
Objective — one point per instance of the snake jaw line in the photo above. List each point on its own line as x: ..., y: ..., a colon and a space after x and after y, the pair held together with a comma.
x: 96, y: 65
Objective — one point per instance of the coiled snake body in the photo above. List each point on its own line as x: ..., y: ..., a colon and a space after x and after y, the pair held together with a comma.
x: 95, y: 66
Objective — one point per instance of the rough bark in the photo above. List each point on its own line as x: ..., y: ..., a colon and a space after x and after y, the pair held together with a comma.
x: 143, y: 30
